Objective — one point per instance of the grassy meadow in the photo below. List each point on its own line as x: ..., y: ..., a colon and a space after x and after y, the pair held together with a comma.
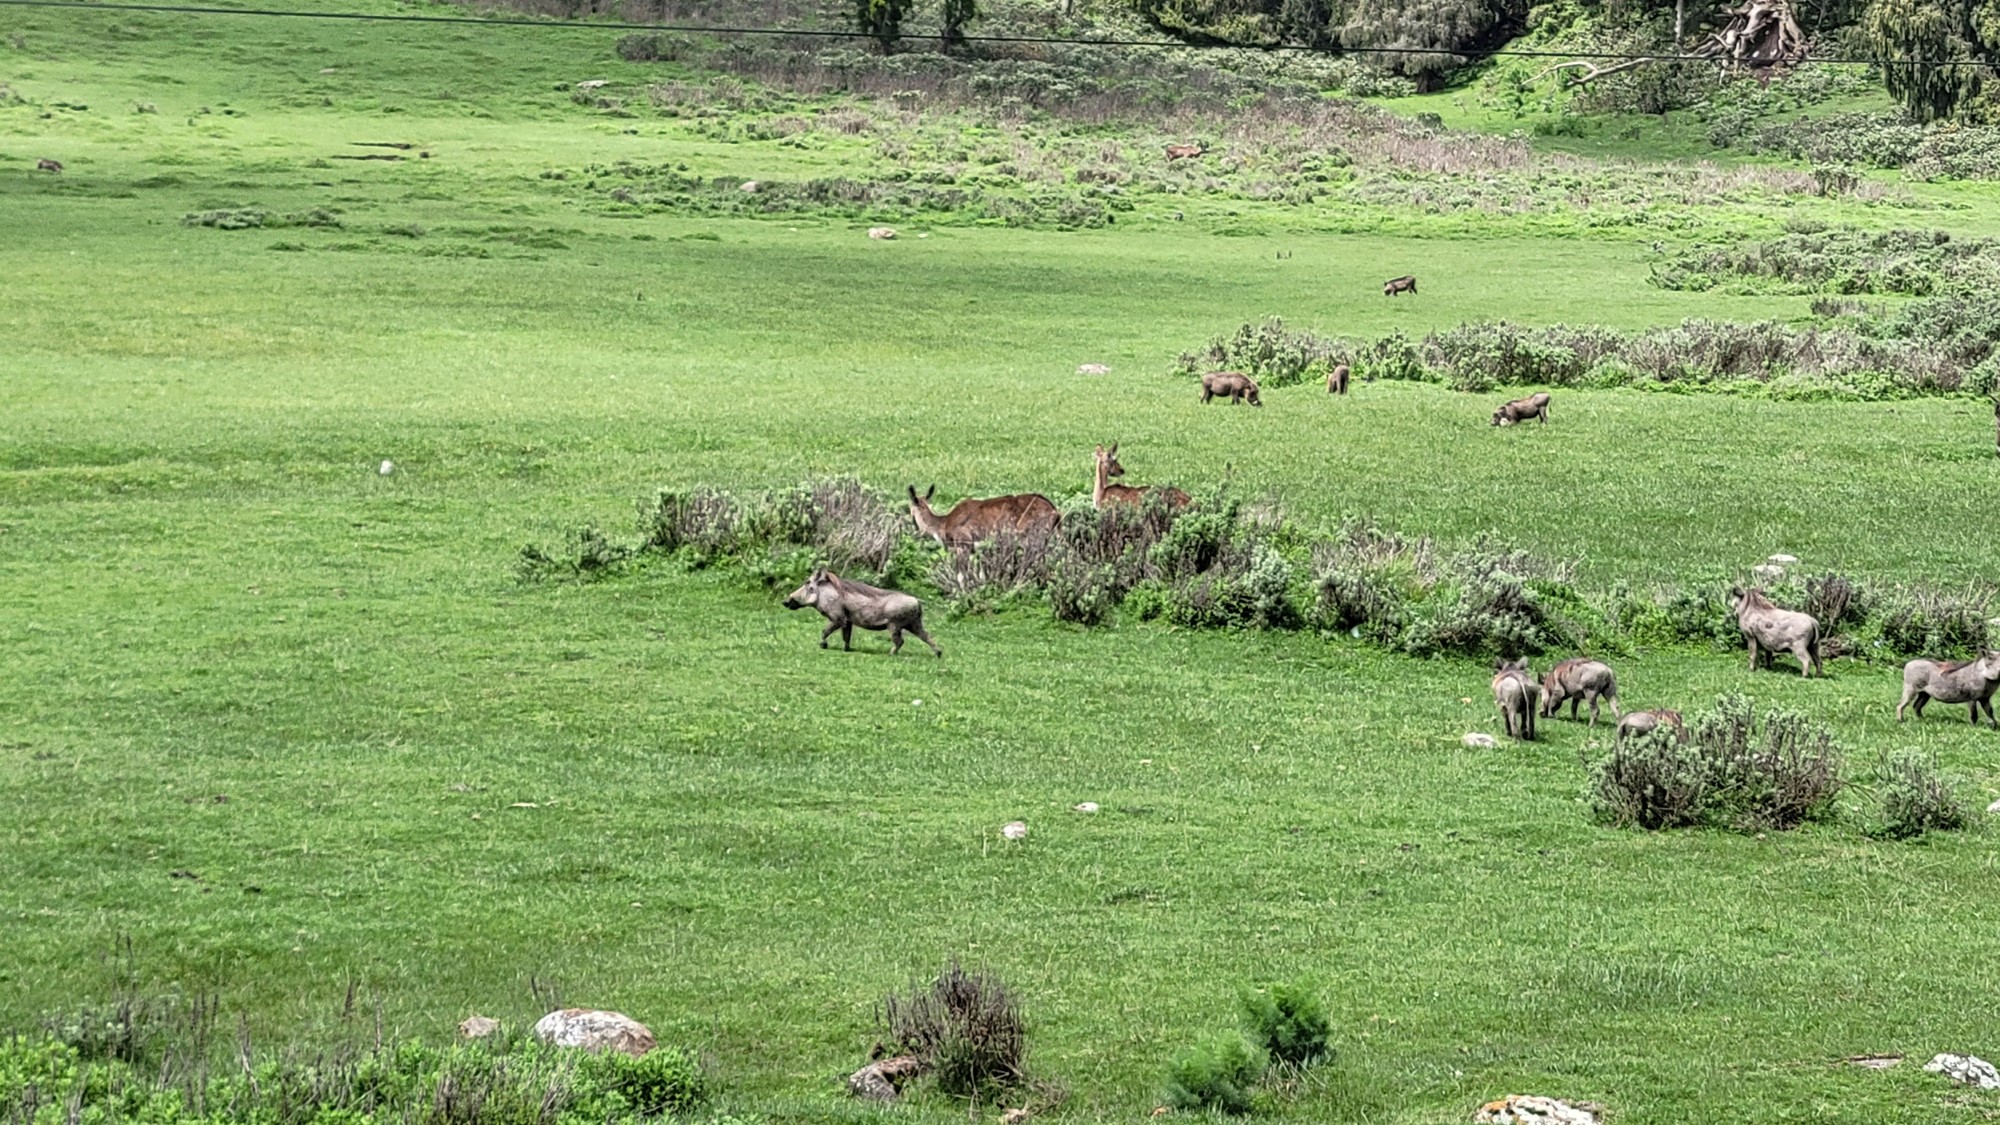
x: 234, y: 649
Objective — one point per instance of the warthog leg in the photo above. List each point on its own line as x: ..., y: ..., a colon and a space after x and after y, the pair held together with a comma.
x: 1805, y: 658
x: 830, y: 627
x: 847, y: 635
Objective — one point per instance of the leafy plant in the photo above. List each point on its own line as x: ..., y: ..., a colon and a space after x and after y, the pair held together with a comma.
x: 1220, y: 1074
x: 1286, y: 1020
x: 965, y: 1027
x: 1913, y: 798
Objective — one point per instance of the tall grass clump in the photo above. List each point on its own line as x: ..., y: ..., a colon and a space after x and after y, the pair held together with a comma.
x: 1735, y: 770
x: 1286, y: 1020
x: 1218, y: 1075
x: 966, y: 1029
x: 1912, y: 797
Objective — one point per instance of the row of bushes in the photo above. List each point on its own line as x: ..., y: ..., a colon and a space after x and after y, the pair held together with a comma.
x: 1222, y: 563
x: 1839, y: 260
x: 45, y: 1080
x: 1734, y: 768
x: 1939, y: 151
x: 1934, y: 346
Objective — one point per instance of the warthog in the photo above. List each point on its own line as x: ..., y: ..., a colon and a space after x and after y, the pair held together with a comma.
x: 846, y: 603
x: 1521, y: 409
x: 46, y: 165
x: 1579, y: 681
x: 1405, y: 284
x: 1232, y: 385
x: 1184, y: 152
x: 1970, y: 682
x: 1645, y: 722
x: 1103, y: 492
x: 1514, y: 692
x: 1336, y: 380
x: 1025, y: 515
x: 1769, y: 629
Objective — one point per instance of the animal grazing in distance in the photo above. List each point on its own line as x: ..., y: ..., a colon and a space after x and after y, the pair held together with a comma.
x: 1970, y: 682
x: 1233, y: 385
x: 1639, y: 723
x: 1579, y: 681
x: 1336, y: 379
x: 1521, y: 409
x: 970, y: 520
x: 47, y: 165
x: 1103, y: 492
x: 1405, y: 284
x: 1184, y: 152
x: 1769, y: 629
x: 846, y: 603
x: 1514, y: 692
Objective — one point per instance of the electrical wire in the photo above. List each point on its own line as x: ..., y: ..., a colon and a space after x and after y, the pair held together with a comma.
x: 828, y: 33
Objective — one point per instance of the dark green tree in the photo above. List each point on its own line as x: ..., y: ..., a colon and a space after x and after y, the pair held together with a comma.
x: 955, y: 14
x: 882, y: 20
x: 1912, y: 36
x: 1424, y: 40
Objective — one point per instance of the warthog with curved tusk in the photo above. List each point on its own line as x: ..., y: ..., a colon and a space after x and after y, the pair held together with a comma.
x: 1514, y: 692
x: 1646, y: 722
x: 1771, y: 630
x: 1405, y: 284
x: 846, y: 603
x: 1579, y: 681
x: 1969, y: 681
x: 1336, y: 379
x: 1232, y: 385
x: 1521, y: 409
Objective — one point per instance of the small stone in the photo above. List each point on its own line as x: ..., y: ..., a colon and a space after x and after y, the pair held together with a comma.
x: 387, y: 468
x: 1966, y: 1070
x: 1478, y: 741
x: 1783, y: 560
x: 1093, y: 369
x: 1873, y: 1062
x: 1768, y: 573
x: 1994, y: 807
x: 749, y: 186
x: 1529, y: 1109
x: 882, y: 233
x: 1013, y: 1116
x: 1085, y: 807
x: 593, y: 84
x: 595, y: 1030
x: 1014, y: 830
x: 478, y: 1027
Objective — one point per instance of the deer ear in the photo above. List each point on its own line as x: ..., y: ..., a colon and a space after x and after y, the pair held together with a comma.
x: 1114, y: 449
x: 913, y: 492
x: 930, y: 492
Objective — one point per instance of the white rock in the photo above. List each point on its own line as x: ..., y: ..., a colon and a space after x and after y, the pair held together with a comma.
x: 1477, y: 741
x: 1966, y: 1070
x: 883, y: 233
x: 478, y: 1027
x: 593, y: 84
x: 1783, y: 560
x: 387, y: 468
x: 1014, y: 830
x: 1093, y: 369
x: 923, y: 236
x: 594, y: 1030
x: 1528, y: 1109
x: 1994, y: 807
x: 751, y: 186
x: 1086, y: 806
x: 1768, y: 573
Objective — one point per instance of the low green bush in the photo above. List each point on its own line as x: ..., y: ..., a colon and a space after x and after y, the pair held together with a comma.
x: 1218, y: 1075
x: 1286, y: 1020
x: 1735, y: 769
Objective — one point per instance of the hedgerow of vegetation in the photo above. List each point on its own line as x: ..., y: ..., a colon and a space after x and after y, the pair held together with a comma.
x: 1938, y: 345
x: 1735, y: 769
x: 1222, y: 563
x: 1842, y: 261
x: 170, y: 1079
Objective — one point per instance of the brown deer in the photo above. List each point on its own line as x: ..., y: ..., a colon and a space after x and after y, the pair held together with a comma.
x: 1103, y: 492
x: 1405, y: 284
x: 1336, y: 380
x: 1183, y: 152
x: 1024, y: 515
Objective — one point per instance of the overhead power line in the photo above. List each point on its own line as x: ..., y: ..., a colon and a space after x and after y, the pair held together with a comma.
x: 828, y: 33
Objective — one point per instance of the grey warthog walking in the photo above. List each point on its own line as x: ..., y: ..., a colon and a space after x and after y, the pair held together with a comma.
x: 1232, y: 385
x: 1771, y: 630
x: 1580, y: 681
x: 1514, y: 692
x: 1336, y: 379
x: 1405, y: 284
x: 1521, y: 409
x: 846, y: 603
x: 1646, y: 722
x: 1962, y: 681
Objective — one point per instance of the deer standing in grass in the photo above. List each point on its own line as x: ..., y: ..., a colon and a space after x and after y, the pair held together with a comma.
x: 1103, y: 492
x: 1024, y: 515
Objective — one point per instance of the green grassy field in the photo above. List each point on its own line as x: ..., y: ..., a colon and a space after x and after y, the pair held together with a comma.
x: 208, y: 591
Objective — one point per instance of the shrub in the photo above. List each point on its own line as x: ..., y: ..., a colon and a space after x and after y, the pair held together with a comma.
x: 1216, y: 1075
x: 1934, y: 622
x: 665, y: 1080
x: 1914, y: 798
x: 1287, y: 1022
x: 1733, y: 771
x: 586, y: 553
x: 1082, y: 592
x: 1651, y: 781
x: 965, y: 1027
